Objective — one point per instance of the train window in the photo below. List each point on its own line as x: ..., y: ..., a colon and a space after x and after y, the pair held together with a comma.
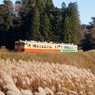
x: 16, y: 44
x: 59, y: 46
x: 34, y: 45
x: 65, y: 47
x: 56, y: 46
x: 68, y: 47
x: 44, y: 46
x: 29, y: 45
x: 23, y: 44
x: 37, y: 46
x: 72, y: 48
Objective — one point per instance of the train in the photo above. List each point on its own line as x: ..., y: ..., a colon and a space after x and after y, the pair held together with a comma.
x: 38, y: 46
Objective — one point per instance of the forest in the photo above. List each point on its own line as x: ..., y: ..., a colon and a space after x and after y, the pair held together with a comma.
x: 40, y: 20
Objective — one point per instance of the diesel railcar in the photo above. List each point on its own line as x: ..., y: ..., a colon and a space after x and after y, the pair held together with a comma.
x: 35, y: 46
x: 68, y: 48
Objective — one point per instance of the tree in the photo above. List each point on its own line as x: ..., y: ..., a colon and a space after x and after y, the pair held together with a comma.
x: 7, y: 2
x: 93, y: 21
x: 67, y: 33
x: 49, y: 7
x: 25, y: 2
x: 22, y: 18
x: 40, y: 5
x: 34, y: 32
x: 88, y: 42
x: 46, y: 28
x: 63, y: 5
x: 31, y: 2
x: 75, y: 23
x: 7, y: 14
x: 72, y: 30
x: 2, y: 9
x: 6, y: 22
x: 92, y: 37
x: 56, y: 24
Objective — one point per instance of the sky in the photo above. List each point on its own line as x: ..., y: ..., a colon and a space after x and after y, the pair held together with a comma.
x: 86, y: 8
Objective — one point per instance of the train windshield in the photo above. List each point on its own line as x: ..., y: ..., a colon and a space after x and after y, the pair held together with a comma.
x: 19, y: 44
x: 68, y: 47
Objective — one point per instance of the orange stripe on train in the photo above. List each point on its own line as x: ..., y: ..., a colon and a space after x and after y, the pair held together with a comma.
x: 40, y: 50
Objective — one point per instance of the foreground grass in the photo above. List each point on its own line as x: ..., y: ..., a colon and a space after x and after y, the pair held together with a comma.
x: 79, y: 59
x: 67, y: 73
x: 59, y: 78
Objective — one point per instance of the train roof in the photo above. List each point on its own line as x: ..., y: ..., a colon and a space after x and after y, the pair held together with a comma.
x: 32, y: 41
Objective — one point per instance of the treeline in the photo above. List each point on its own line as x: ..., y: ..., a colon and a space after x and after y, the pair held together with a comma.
x: 88, y: 41
x: 40, y: 20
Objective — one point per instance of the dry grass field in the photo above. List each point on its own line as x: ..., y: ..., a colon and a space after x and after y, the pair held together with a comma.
x: 47, y: 73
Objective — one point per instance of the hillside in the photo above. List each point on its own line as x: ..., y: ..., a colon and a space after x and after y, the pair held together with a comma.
x: 51, y: 73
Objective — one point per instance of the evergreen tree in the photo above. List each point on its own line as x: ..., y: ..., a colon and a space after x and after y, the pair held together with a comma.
x: 40, y: 5
x: 7, y: 2
x: 7, y: 14
x: 25, y: 2
x: 5, y: 22
x: 34, y: 32
x: 8, y: 20
x: 46, y: 28
x: 64, y: 22
x: 67, y: 33
x: 18, y: 2
x: 2, y: 9
x: 50, y: 11
x: 85, y: 43
x: 24, y: 12
x: 71, y: 20
x: 49, y: 6
x: 32, y: 2
x: 56, y: 24
x: 2, y: 29
x: 92, y: 37
x: 89, y: 36
x: 75, y: 23
x: 63, y: 5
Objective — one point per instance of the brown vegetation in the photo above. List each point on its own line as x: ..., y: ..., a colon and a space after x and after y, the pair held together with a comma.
x: 47, y: 73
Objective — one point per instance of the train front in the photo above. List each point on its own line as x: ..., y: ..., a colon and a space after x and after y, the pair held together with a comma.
x: 19, y: 46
